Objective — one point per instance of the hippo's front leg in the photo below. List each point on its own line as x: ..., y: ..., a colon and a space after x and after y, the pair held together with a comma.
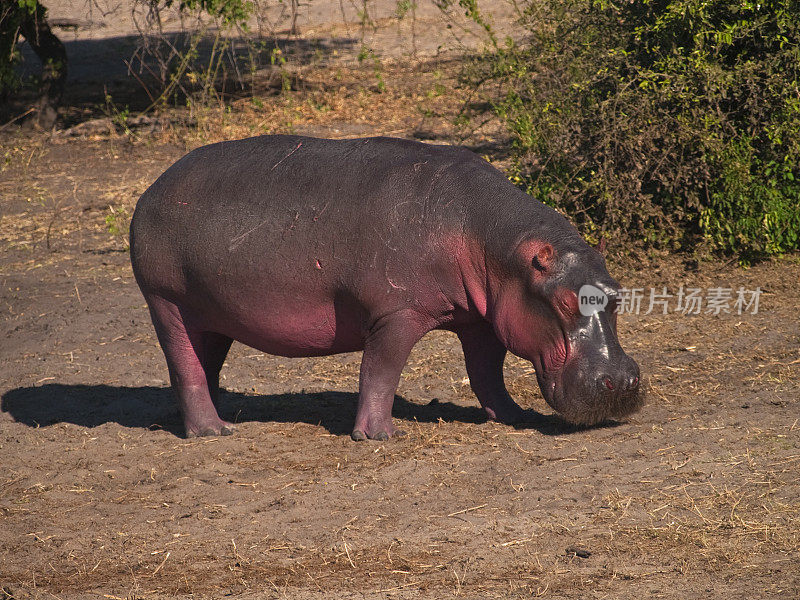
x: 484, y: 355
x: 386, y: 351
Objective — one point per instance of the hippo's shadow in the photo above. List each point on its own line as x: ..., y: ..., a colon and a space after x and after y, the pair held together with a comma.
x: 154, y: 407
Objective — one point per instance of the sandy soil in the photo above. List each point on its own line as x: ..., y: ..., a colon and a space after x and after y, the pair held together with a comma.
x: 697, y: 496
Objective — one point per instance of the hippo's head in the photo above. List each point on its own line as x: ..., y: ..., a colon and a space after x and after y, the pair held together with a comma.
x: 556, y: 306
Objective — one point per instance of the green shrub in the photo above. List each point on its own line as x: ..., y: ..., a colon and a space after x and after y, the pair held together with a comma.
x: 667, y: 122
x: 12, y: 15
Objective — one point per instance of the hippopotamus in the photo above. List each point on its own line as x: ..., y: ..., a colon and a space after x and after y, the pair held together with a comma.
x: 300, y: 247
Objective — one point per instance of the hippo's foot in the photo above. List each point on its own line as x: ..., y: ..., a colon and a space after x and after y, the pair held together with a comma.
x: 505, y: 411
x: 380, y: 433
x: 219, y: 427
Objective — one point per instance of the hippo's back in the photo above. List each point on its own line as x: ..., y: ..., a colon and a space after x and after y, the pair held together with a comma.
x: 250, y: 233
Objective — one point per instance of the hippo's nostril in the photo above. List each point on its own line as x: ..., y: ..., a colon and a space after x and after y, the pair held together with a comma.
x: 634, y: 382
x: 609, y: 383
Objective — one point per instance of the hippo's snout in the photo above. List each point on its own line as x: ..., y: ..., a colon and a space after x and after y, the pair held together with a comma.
x: 587, y: 395
x: 619, y: 379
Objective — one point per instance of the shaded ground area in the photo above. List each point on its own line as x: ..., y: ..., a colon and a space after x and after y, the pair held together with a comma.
x: 697, y: 496
x: 117, y: 49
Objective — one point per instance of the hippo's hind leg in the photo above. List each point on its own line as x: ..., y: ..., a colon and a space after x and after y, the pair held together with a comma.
x: 194, y: 359
x: 484, y: 355
x: 386, y: 350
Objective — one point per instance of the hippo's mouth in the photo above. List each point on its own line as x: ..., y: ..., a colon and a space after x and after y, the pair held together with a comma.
x: 586, y: 404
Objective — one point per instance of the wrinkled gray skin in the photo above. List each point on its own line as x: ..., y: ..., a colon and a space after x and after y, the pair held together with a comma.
x: 306, y: 247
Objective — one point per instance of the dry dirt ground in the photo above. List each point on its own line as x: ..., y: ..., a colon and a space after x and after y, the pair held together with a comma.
x: 697, y: 496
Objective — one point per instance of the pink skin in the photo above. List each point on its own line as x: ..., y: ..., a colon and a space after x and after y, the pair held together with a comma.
x: 484, y: 352
x: 533, y: 333
x: 510, y: 322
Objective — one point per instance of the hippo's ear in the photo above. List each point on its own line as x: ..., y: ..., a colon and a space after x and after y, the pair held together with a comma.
x: 601, y: 247
x: 542, y: 256
x: 538, y: 254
